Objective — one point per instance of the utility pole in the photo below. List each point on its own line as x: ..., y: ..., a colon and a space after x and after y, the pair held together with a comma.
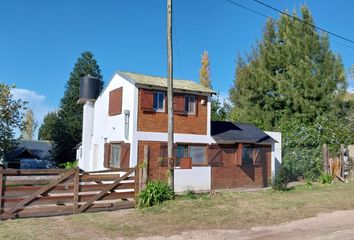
x: 170, y: 96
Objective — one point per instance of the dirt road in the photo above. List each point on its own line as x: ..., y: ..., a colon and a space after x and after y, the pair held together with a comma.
x: 336, y: 225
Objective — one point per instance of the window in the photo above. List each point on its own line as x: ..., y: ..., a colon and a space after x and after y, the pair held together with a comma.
x: 189, y: 104
x: 197, y: 153
x: 159, y: 101
x: 115, y: 155
x: 247, y: 154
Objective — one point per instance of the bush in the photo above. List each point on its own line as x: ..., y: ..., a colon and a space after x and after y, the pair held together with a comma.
x: 155, y: 193
x: 70, y: 165
x: 326, y: 178
x: 281, y: 179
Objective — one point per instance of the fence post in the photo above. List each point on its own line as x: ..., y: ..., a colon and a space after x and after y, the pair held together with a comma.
x: 342, y: 160
x: 1, y: 186
x: 325, y: 159
x: 145, y: 166
x: 76, y: 191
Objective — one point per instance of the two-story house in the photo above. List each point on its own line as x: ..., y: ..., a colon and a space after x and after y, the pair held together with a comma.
x: 131, y: 113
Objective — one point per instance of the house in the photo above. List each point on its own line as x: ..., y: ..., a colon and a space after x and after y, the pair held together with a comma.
x: 131, y: 113
x: 30, y: 154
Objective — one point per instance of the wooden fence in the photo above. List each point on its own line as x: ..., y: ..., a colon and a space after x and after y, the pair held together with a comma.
x: 37, y: 193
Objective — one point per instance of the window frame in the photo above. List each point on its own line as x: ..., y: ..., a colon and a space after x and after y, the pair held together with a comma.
x: 188, y: 147
x: 113, y: 165
x: 187, y: 101
x: 158, y: 93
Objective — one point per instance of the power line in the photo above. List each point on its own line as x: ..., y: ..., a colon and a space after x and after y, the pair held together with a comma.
x: 298, y: 19
x: 266, y: 16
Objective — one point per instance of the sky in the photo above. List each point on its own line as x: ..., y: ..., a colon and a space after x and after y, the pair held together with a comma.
x: 40, y: 40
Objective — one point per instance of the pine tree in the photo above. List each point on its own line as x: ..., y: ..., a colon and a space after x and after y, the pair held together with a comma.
x: 204, y: 72
x: 292, y: 70
x: 29, y: 125
x: 46, y: 130
x: 68, y: 128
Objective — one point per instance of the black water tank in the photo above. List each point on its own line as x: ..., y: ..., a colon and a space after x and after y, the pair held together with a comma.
x: 90, y: 88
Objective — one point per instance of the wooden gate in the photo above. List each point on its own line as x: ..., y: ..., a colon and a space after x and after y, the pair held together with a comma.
x: 34, y: 193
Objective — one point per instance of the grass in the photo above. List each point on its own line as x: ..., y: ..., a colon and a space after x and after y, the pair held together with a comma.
x: 228, y: 210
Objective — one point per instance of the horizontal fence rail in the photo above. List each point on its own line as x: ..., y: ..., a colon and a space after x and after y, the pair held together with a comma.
x: 51, y: 192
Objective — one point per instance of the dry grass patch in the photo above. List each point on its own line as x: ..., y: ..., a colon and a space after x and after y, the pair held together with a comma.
x: 220, y: 211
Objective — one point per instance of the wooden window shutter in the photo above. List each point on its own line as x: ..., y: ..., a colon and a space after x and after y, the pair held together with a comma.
x: 115, y: 102
x: 239, y: 154
x: 107, y: 155
x: 147, y: 100
x: 215, y: 155
x: 196, y: 105
x: 179, y: 104
x: 124, y: 155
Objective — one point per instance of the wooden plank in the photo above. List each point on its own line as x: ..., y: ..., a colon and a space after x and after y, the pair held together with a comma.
x: 16, y: 172
x: 76, y: 191
x: 18, y: 191
x: 29, y: 180
x: 67, y: 198
x: 99, y: 177
x: 105, y: 190
x: 39, y: 192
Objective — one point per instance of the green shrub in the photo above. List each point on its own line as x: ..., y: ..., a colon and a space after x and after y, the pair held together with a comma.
x: 281, y: 179
x: 326, y: 178
x: 70, y: 165
x: 155, y: 193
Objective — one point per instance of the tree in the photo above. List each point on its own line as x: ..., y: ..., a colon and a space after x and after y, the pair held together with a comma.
x: 292, y: 70
x: 10, y: 118
x: 68, y: 127
x: 292, y: 82
x: 46, y: 130
x: 29, y: 125
x: 204, y: 72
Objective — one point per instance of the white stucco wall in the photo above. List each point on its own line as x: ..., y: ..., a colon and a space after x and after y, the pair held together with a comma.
x: 111, y: 128
x: 276, y: 151
x: 197, y: 179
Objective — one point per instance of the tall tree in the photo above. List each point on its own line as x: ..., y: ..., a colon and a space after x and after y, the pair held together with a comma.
x: 68, y: 128
x: 46, y: 130
x: 204, y: 72
x: 292, y: 70
x: 292, y: 82
x: 10, y: 118
x: 30, y: 125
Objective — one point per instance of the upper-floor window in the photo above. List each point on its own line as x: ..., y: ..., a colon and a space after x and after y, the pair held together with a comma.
x: 159, y: 101
x: 189, y: 104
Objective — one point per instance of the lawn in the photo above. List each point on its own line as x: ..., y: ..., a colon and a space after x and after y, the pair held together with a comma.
x: 227, y: 210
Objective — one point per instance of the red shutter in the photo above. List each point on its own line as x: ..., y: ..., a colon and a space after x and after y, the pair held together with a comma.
x: 215, y: 155
x: 196, y: 105
x: 115, y: 102
x: 124, y: 155
x: 239, y: 154
x: 107, y: 155
x: 178, y: 104
x: 147, y: 100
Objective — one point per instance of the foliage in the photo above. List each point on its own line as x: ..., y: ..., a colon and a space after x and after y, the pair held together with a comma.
x: 281, y: 179
x: 204, y: 72
x: 303, y: 141
x: 292, y: 70
x: 10, y: 118
x: 67, y: 131
x: 46, y: 130
x: 69, y: 165
x: 155, y: 193
x: 29, y: 124
x: 326, y: 178
x: 219, y: 112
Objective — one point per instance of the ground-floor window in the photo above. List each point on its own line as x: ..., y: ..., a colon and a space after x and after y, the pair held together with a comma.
x: 196, y: 152
x: 115, y: 155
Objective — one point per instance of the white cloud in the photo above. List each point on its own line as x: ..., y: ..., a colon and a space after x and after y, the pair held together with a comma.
x: 36, y: 102
x: 350, y: 89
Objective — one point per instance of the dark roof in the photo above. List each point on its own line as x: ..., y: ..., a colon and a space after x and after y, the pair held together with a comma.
x: 30, y: 149
x: 229, y: 132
